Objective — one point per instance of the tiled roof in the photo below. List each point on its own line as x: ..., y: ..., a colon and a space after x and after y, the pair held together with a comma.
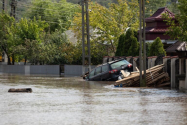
x: 178, y: 46
x: 156, y: 29
x: 182, y: 47
x: 158, y: 14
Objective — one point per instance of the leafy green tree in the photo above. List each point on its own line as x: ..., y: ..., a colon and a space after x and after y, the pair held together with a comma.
x: 156, y: 48
x: 101, y: 2
x: 173, y: 6
x: 98, y: 54
x: 131, y: 44
x: 109, y: 23
x: 26, y: 29
x: 178, y: 30
x: 57, y: 14
x: 148, y: 47
x: 64, y: 49
x: 152, y: 6
x: 120, y: 45
x: 51, y: 49
x: 6, y: 45
x: 128, y: 44
x: 133, y: 50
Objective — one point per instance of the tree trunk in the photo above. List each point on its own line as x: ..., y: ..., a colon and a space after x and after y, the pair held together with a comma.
x: 9, y: 63
x: 25, y: 60
x: 13, y: 59
x: 113, y: 47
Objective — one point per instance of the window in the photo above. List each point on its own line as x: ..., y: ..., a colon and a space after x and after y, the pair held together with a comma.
x: 118, y: 64
x: 98, y: 70
x: 104, y: 68
x: 91, y: 74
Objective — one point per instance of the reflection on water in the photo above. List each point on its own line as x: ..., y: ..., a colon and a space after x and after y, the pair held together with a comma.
x: 73, y: 101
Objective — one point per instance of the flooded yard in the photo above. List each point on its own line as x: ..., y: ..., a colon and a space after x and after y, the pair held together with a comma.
x: 73, y: 101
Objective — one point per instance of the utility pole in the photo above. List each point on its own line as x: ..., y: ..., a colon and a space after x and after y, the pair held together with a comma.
x: 86, y: 55
x: 142, y: 40
x: 144, y: 46
x: 3, y: 7
x: 13, y: 8
x: 13, y: 13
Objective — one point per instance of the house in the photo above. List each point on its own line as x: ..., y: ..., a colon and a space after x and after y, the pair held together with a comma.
x: 156, y: 27
x: 179, y: 66
x: 172, y: 49
x: 182, y: 77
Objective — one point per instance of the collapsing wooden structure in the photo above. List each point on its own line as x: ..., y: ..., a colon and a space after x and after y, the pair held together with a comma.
x: 155, y: 77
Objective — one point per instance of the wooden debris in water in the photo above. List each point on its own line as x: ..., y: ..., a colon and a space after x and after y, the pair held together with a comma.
x: 28, y: 90
x: 155, y: 77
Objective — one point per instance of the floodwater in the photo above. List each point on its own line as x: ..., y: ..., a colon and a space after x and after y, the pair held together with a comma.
x: 73, y: 101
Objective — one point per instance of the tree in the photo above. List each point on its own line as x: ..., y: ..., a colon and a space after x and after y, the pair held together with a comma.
x: 148, y: 47
x: 27, y: 29
x: 119, y: 50
x: 173, y: 6
x: 128, y: 44
x: 178, y: 30
x: 133, y: 50
x: 131, y: 44
x: 101, y: 2
x: 152, y: 5
x: 156, y: 48
x: 58, y: 14
x: 64, y: 51
x: 6, y: 45
x: 108, y: 24
x: 128, y: 39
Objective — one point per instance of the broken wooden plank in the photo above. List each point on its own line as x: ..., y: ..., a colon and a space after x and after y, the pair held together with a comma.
x: 136, y: 75
x: 161, y: 76
x: 135, y: 72
x: 125, y: 74
x: 137, y: 69
x: 162, y: 65
x: 164, y: 84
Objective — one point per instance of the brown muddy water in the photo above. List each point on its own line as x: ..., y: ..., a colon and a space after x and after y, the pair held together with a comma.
x: 73, y: 101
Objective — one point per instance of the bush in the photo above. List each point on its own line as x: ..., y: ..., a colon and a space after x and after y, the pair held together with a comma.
x: 128, y: 44
x: 156, y: 48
